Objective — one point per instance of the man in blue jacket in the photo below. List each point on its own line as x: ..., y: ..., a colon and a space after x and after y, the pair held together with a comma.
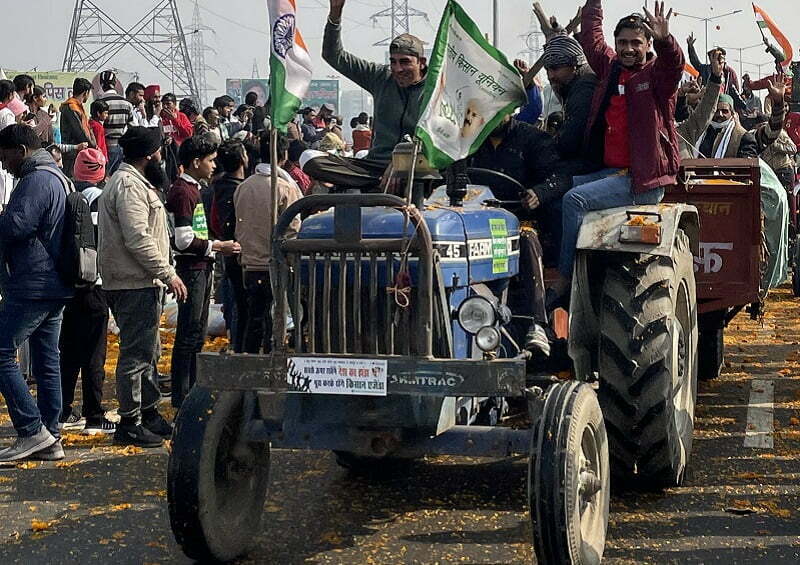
x: 33, y: 293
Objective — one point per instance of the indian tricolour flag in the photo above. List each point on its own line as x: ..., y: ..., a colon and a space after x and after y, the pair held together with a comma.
x: 289, y: 62
x: 767, y: 26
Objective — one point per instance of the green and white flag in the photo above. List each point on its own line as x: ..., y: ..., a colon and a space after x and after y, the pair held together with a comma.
x: 469, y: 89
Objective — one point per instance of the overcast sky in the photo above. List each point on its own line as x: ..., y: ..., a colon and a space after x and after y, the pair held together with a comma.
x: 240, y: 30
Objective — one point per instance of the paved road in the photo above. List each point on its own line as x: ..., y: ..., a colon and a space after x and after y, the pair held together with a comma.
x: 739, y: 504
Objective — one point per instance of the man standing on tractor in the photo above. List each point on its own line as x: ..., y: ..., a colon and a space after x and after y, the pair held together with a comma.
x: 631, y: 133
x: 397, y: 89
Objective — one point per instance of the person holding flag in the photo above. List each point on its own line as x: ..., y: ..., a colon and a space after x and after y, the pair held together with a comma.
x: 397, y: 89
x: 782, y: 54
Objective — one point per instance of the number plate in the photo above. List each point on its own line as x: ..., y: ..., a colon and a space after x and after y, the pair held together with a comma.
x: 327, y: 375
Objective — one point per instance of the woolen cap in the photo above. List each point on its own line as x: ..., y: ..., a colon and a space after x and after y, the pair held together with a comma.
x: 407, y: 44
x: 139, y: 142
x: 563, y: 51
x: 90, y: 166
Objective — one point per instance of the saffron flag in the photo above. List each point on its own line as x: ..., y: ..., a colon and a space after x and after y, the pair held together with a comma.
x: 289, y: 62
x: 766, y: 24
x: 469, y: 89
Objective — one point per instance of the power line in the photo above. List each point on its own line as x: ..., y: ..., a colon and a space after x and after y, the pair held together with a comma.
x: 95, y: 39
x: 234, y: 22
x: 399, y: 15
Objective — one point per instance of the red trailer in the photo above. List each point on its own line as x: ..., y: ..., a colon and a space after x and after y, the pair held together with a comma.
x: 727, y: 195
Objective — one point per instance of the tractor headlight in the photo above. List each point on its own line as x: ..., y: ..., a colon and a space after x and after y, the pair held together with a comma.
x: 488, y: 338
x: 475, y: 313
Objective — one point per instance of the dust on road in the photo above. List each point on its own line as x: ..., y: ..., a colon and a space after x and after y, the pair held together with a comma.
x: 738, y: 505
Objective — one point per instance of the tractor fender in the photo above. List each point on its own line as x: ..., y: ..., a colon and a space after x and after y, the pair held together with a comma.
x: 600, y: 233
x: 600, y: 230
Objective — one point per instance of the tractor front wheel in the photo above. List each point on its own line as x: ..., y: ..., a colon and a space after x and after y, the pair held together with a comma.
x: 569, y: 477
x: 216, y: 481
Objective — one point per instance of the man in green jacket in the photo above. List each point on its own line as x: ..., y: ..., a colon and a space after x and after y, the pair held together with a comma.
x: 397, y: 91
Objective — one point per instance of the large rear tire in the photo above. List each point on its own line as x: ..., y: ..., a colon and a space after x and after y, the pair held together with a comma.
x: 648, y: 365
x: 569, y: 478
x: 216, y: 484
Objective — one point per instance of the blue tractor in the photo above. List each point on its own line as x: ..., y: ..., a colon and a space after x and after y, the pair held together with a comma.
x: 404, y: 346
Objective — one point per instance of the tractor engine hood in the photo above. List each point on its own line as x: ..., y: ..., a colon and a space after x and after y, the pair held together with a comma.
x: 475, y: 243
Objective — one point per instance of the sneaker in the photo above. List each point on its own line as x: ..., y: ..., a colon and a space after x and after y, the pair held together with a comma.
x: 136, y: 434
x: 26, y: 446
x: 53, y: 453
x: 98, y: 427
x: 157, y: 424
x: 536, y: 340
x: 71, y: 421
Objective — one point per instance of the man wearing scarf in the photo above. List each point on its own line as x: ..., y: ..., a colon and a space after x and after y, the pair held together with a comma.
x: 74, y: 121
x: 725, y: 137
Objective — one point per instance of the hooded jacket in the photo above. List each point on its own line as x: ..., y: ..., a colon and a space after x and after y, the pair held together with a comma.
x: 651, y: 95
x: 31, y: 233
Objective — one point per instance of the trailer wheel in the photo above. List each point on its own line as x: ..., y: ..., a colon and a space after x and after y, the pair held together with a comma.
x: 569, y: 477
x: 711, y: 352
x: 648, y: 365
x: 216, y: 485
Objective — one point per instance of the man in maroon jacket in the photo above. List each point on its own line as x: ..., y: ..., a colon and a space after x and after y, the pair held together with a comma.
x: 630, y: 135
x: 194, y: 259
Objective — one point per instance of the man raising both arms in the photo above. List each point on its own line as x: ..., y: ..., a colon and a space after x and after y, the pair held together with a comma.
x: 631, y: 133
x: 397, y: 91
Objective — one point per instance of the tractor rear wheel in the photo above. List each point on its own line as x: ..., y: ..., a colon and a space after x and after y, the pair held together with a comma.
x: 216, y: 483
x: 648, y: 365
x: 569, y: 477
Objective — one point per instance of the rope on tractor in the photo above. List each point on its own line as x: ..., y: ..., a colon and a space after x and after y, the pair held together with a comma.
x: 402, y: 281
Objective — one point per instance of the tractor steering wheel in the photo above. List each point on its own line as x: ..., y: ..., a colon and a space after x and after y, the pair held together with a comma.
x: 504, y: 188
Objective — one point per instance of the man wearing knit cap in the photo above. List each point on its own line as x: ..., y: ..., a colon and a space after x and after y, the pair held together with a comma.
x: 725, y: 137
x: 397, y: 89
x: 83, y: 330
x: 135, y: 268
x: 574, y: 83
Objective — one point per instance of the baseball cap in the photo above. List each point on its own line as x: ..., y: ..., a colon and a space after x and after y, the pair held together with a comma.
x: 407, y: 44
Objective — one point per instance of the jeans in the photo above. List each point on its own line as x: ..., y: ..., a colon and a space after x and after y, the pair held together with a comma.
x: 190, y: 333
x: 598, y: 191
x: 83, y: 350
x: 526, y: 296
x: 38, y: 321
x: 137, y: 313
x: 259, y: 317
x: 114, y: 159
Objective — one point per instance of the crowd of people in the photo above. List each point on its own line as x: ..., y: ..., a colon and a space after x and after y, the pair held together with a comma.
x: 176, y: 199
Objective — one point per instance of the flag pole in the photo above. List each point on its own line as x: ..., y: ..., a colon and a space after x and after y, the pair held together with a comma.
x: 278, y: 296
